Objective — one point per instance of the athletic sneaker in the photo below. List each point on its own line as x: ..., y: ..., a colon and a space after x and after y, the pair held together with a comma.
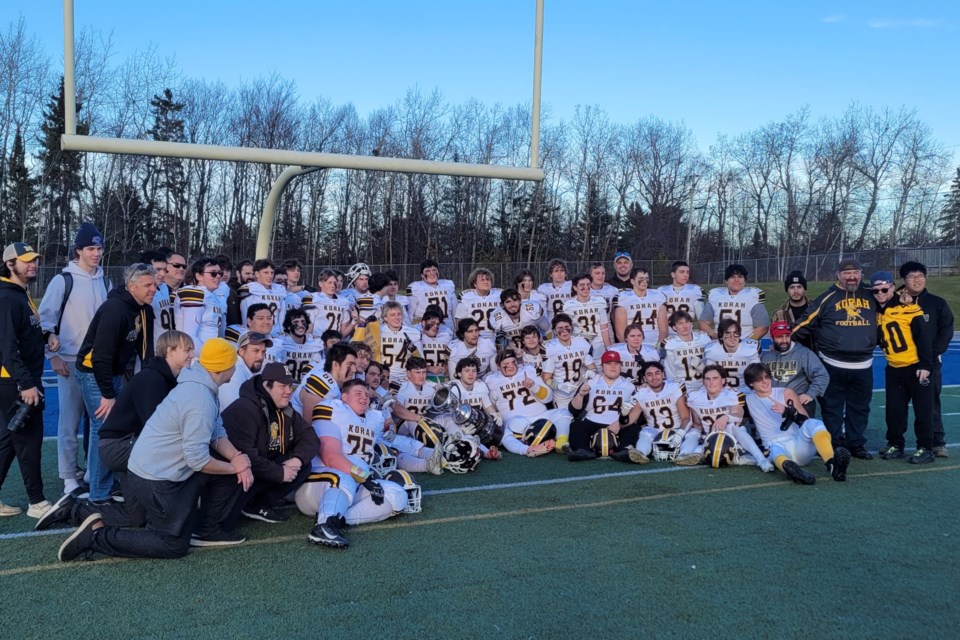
x: 637, y: 456
x: 59, y: 512
x: 891, y: 452
x: 580, y: 455
x: 922, y: 456
x: 37, y: 510
x: 79, y: 542
x: 330, y: 533
x: 837, y: 465
x: 688, y: 459
x: 264, y: 514
x: 217, y: 539
x: 940, y: 451
x: 8, y: 510
x: 797, y: 473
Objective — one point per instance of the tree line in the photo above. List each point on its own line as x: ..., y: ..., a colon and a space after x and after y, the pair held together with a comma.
x: 873, y: 177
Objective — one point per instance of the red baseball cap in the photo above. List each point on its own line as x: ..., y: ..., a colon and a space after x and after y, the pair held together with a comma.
x: 610, y: 356
x: 780, y: 328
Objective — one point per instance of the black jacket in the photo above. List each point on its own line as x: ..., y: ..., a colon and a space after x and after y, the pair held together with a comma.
x: 940, y: 321
x: 840, y: 325
x: 266, y: 434
x: 139, y: 399
x: 21, y: 338
x: 120, y: 330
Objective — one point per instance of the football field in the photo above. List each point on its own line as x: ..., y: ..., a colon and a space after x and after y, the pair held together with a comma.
x: 543, y: 548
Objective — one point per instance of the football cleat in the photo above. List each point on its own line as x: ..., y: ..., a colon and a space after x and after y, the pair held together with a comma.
x: 837, y: 465
x: 688, y: 459
x: 636, y: 456
x: 797, y: 473
x: 434, y: 463
x: 330, y: 533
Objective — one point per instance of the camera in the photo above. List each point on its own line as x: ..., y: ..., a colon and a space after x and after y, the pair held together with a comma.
x: 19, y: 415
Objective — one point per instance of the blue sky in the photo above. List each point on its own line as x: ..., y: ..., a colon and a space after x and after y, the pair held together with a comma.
x: 721, y: 67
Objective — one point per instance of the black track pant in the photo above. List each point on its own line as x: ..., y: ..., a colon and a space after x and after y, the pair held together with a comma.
x: 902, y: 388
x: 936, y: 381
x: 23, y: 446
x: 582, y: 430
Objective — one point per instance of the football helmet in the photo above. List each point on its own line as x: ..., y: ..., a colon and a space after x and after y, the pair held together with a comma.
x: 382, y: 461
x: 429, y: 433
x: 720, y: 450
x: 604, y: 442
x: 357, y: 270
x: 539, y: 431
x: 666, y: 445
x: 414, y: 495
x: 461, y: 454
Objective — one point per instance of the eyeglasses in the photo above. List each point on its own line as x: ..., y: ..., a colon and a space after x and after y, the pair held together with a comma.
x: 177, y: 266
x: 916, y: 276
x: 432, y: 325
x: 215, y: 274
x: 732, y: 334
x: 881, y: 289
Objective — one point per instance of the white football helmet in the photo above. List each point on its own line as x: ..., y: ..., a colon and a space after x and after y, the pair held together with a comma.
x: 357, y: 270
x: 461, y: 454
x: 666, y: 445
x: 414, y: 496
x: 382, y: 461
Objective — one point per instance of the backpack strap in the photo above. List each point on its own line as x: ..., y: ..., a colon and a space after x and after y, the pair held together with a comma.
x: 67, y: 288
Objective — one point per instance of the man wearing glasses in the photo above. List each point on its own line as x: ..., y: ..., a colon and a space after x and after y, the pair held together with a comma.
x: 842, y: 323
x: 200, y: 312
x: 940, y: 320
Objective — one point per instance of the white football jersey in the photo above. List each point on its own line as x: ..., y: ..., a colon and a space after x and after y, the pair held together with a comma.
x: 605, y: 399
x: 643, y: 311
x: 538, y: 297
x: 396, y: 347
x: 364, y: 302
x: 687, y: 298
x: 326, y: 312
x: 709, y: 410
x: 530, y: 315
x: 739, y: 306
x: 486, y: 350
x: 555, y: 297
x: 436, y: 350
x: 357, y: 434
x: 748, y: 352
x: 422, y: 295
x: 164, y: 309
x: 608, y: 292
x: 201, y: 314
x: 275, y: 297
x: 535, y: 360
x: 632, y: 362
x: 416, y: 399
x: 478, y: 396
x: 683, y: 360
x: 567, y: 363
x: 300, y: 358
x: 588, y: 316
x: 660, y: 408
x: 472, y: 305
x: 511, y: 398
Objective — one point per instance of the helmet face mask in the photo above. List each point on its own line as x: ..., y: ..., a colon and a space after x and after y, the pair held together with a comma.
x: 666, y: 445
x: 383, y: 461
x: 461, y: 454
x: 414, y: 493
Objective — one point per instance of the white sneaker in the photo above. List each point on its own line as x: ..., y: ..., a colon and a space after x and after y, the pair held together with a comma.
x: 37, y: 510
x: 7, y: 510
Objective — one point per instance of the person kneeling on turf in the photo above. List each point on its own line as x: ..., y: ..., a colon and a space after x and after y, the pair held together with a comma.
x: 792, y: 438
x: 171, y: 466
x: 601, y: 403
x: 279, y: 443
x: 341, y: 489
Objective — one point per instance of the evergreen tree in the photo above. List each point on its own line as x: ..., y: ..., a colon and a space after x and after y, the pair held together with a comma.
x: 950, y: 216
x: 167, y: 176
x: 60, y: 181
x: 19, y: 220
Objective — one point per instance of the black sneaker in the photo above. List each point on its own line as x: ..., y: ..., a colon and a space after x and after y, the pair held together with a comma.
x: 892, y: 452
x: 621, y: 455
x: 330, y: 533
x: 837, y: 465
x: 580, y: 455
x: 265, y: 514
x: 116, y: 495
x: 922, y: 456
x: 59, y: 512
x: 797, y: 473
x: 862, y: 453
x: 217, y: 539
x: 79, y: 543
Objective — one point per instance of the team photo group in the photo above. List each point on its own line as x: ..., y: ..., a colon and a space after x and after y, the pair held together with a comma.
x: 194, y: 394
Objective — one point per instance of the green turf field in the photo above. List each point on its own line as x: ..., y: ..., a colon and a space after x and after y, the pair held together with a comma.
x: 545, y: 549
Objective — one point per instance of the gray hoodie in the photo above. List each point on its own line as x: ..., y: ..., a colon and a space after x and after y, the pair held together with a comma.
x: 175, y: 442
x: 798, y: 369
x: 88, y: 293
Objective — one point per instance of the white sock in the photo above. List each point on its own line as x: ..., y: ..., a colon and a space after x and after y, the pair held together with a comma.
x: 70, y: 485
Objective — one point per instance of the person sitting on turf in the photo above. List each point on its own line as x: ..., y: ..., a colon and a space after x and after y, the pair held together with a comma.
x: 598, y: 404
x: 278, y: 441
x: 135, y: 405
x: 171, y: 466
x: 792, y: 438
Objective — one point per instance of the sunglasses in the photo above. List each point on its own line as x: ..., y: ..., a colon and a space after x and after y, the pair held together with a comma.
x: 177, y: 266
x: 563, y: 328
x: 215, y: 274
x: 881, y: 289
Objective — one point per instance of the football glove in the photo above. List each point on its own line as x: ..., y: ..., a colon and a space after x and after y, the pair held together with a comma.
x: 790, y: 414
x: 376, y: 491
x: 627, y: 407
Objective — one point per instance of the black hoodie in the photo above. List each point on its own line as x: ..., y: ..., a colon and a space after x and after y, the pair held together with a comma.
x: 120, y: 330
x: 21, y: 338
x: 138, y: 399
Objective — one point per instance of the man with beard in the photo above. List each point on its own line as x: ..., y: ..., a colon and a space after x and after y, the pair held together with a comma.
x: 242, y: 274
x: 251, y: 354
x: 795, y: 367
x: 622, y: 267
x: 842, y: 322
x: 797, y: 302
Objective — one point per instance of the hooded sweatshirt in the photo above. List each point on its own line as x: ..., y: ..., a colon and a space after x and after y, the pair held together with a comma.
x: 798, y: 369
x: 21, y: 339
x: 120, y: 330
x: 175, y: 443
x: 843, y: 327
x: 139, y: 399
x: 88, y: 293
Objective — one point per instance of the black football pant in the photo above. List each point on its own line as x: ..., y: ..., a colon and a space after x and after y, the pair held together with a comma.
x: 845, y: 405
x: 23, y: 445
x: 936, y: 382
x: 902, y: 388
x: 582, y: 430
x: 172, y: 516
